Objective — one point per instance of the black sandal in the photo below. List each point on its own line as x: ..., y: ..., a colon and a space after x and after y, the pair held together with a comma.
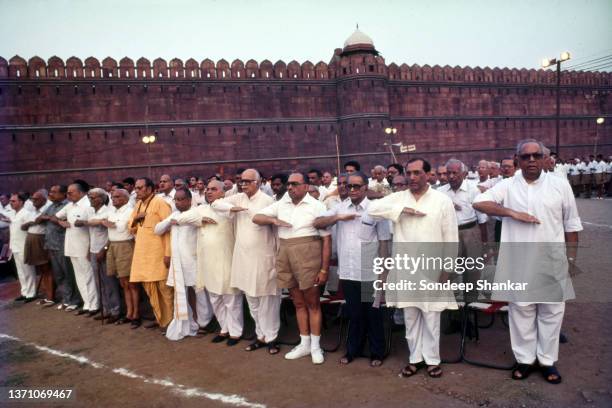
x: 521, y: 371
x: 255, y: 345
x: 346, y: 359
x: 219, y: 338
x: 273, y: 347
x: 548, y: 371
x: 434, y: 371
x: 411, y: 369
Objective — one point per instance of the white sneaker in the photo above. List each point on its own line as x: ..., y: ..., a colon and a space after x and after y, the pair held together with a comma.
x: 70, y: 308
x: 317, y: 356
x: 298, y: 351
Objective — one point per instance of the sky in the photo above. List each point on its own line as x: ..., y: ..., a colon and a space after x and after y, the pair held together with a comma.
x: 494, y: 33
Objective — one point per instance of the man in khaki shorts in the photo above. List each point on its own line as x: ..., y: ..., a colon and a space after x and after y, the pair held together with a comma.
x: 302, y: 262
x: 119, y: 253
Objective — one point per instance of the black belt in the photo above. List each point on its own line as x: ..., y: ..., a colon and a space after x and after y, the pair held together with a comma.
x: 467, y: 226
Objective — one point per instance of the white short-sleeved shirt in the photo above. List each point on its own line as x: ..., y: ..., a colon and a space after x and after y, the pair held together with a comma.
x: 17, y: 235
x: 300, y: 216
x: 350, y: 236
x: 121, y: 217
x: 39, y: 229
x: 98, y: 235
x: 464, y: 197
x: 550, y: 199
x: 77, y: 238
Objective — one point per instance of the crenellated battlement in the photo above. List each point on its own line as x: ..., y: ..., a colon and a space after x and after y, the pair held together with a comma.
x: 75, y: 69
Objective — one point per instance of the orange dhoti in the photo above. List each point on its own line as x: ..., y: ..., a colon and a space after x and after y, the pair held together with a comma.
x: 161, y: 297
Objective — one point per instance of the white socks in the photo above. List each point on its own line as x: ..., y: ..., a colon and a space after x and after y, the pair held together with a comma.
x: 314, y: 342
x: 305, y: 341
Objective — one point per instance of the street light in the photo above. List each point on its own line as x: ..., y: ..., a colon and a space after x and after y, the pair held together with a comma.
x: 148, y: 141
x: 546, y: 62
x: 389, y: 131
x: 600, y: 121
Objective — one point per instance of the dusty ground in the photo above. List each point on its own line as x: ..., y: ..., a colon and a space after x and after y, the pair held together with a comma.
x: 585, y: 362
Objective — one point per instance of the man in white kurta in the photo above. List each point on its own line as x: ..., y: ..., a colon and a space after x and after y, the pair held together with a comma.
x: 419, y: 214
x: 215, y: 246
x: 183, y: 265
x: 253, y: 262
x: 26, y: 273
x: 76, y: 246
x: 537, y: 207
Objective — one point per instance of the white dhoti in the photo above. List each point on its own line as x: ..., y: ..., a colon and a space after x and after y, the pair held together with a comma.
x: 534, y: 331
x: 86, y: 283
x: 228, y: 309
x: 27, y: 276
x: 422, y: 335
x: 182, y: 324
x: 204, y: 308
x: 265, y: 311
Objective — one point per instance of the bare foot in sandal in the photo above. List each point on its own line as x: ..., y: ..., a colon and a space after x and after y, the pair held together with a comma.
x: 411, y: 369
x: 434, y: 371
x: 346, y: 360
x: 273, y: 347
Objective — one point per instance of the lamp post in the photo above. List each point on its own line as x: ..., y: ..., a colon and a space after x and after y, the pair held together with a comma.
x: 547, y: 62
x: 391, y: 131
x: 599, y: 122
x: 148, y: 141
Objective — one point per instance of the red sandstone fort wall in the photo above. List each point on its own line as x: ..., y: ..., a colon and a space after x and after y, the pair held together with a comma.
x: 59, y: 121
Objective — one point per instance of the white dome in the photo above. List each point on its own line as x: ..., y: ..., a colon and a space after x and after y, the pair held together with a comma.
x: 358, y: 37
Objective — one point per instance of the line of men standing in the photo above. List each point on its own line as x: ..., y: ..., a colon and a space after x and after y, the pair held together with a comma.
x: 196, y: 261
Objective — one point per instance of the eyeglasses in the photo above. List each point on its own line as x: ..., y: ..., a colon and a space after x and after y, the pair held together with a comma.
x: 342, y: 183
x: 243, y: 181
x: 354, y: 186
x: 398, y: 185
x: 528, y: 156
x: 294, y: 183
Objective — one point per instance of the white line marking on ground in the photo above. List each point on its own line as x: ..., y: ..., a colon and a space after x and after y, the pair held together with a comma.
x: 597, y: 225
x: 180, y: 389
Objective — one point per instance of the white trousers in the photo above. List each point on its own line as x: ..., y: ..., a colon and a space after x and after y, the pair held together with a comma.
x: 27, y: 276
x: 228, y: 309
x: 534, y: 332
x: 265, y: 311
x: 422, y: 335
x: 203, y: 308
x: 85, y: 280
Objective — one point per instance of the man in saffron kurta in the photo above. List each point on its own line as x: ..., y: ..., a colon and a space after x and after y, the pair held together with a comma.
x: 151, y: 252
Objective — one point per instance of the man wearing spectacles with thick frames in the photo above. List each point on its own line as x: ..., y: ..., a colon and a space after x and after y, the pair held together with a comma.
x: 537, y: 207
x: 356, y: 232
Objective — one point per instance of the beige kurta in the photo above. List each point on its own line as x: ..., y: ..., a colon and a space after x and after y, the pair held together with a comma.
x: 253, y: 263
x: 150, y: 249
x: 214, y: 249
x: 438, y: 225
